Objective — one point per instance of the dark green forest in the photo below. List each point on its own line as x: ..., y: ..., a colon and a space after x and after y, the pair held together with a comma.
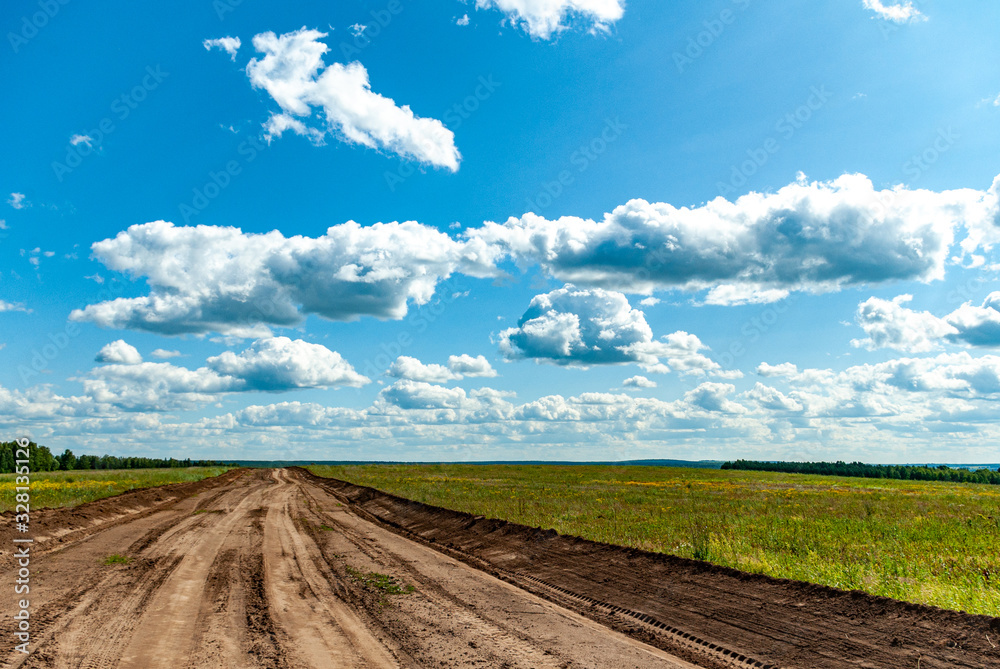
x: 862, y: 470
x: 42, y: 460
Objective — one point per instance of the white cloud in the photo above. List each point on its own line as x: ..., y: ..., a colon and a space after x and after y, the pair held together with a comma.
x: 164, y: 354
x: 650, y: 301
x: 466, y: 365
x: 544, y: 18
x: 983, y: 226
x: 714, y: 397
x: 280, y: 363
x: 459, y: 366
x: 412, y: 369
x: 897, y: 13
x: 578, y: 327
x: 76, y: 140
x: 977, y: 326
x: 462, y: 20
x: 682, y: 352
x: 816, y: 236
x: 955, y: 374
x: 735, y: 295
x: 13, y: 306
x: 17, y: 201
x: 275, y: 364
x: 291, y: 414
x: 228, y: 44
x: 277, y: 124
x: 119, y: 352
x: 211, y: 279
x: 784, y: 369
x: 155, y: 386
x: 891, y: 325
x: 638, y: 382
x: 357, y: 29
x: 292, y: 71
x: 770, y: 398
x: 582, y: 327
x: 407, y: 394
x: 904, y: 396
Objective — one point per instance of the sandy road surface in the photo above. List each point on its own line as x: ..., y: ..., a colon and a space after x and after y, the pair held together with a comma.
x: 267, y: 569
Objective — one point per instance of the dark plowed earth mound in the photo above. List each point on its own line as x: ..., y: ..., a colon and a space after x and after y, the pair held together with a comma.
x: 779, y: 622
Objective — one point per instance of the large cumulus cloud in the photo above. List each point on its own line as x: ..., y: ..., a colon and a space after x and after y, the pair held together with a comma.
x: 815, y: 236
x: 220, y: 279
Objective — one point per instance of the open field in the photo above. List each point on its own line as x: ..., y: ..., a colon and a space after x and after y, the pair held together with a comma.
x: 931, y: 543
x: 69, y: 488
x: 280, y: 568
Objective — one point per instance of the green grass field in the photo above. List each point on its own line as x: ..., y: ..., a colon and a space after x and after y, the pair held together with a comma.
x: 933, y: 543
x: 58, y: 489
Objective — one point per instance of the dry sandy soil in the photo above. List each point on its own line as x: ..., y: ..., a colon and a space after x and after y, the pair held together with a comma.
x: 274, y: 568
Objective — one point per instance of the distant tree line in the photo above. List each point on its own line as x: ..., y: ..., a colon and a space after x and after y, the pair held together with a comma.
x: 860, y: 469
x: 41, y: 460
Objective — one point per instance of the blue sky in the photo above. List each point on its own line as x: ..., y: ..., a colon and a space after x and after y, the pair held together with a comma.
x: 502, y: 229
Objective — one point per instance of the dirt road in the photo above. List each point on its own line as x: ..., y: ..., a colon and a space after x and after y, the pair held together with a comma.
x: 266, y: 568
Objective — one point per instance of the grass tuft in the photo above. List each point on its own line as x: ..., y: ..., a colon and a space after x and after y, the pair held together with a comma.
x: 117, y: 559
x: 372, y: 580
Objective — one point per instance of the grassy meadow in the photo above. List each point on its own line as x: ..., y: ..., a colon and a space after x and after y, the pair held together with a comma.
x: 69, y: 488
x: 928, y: 542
